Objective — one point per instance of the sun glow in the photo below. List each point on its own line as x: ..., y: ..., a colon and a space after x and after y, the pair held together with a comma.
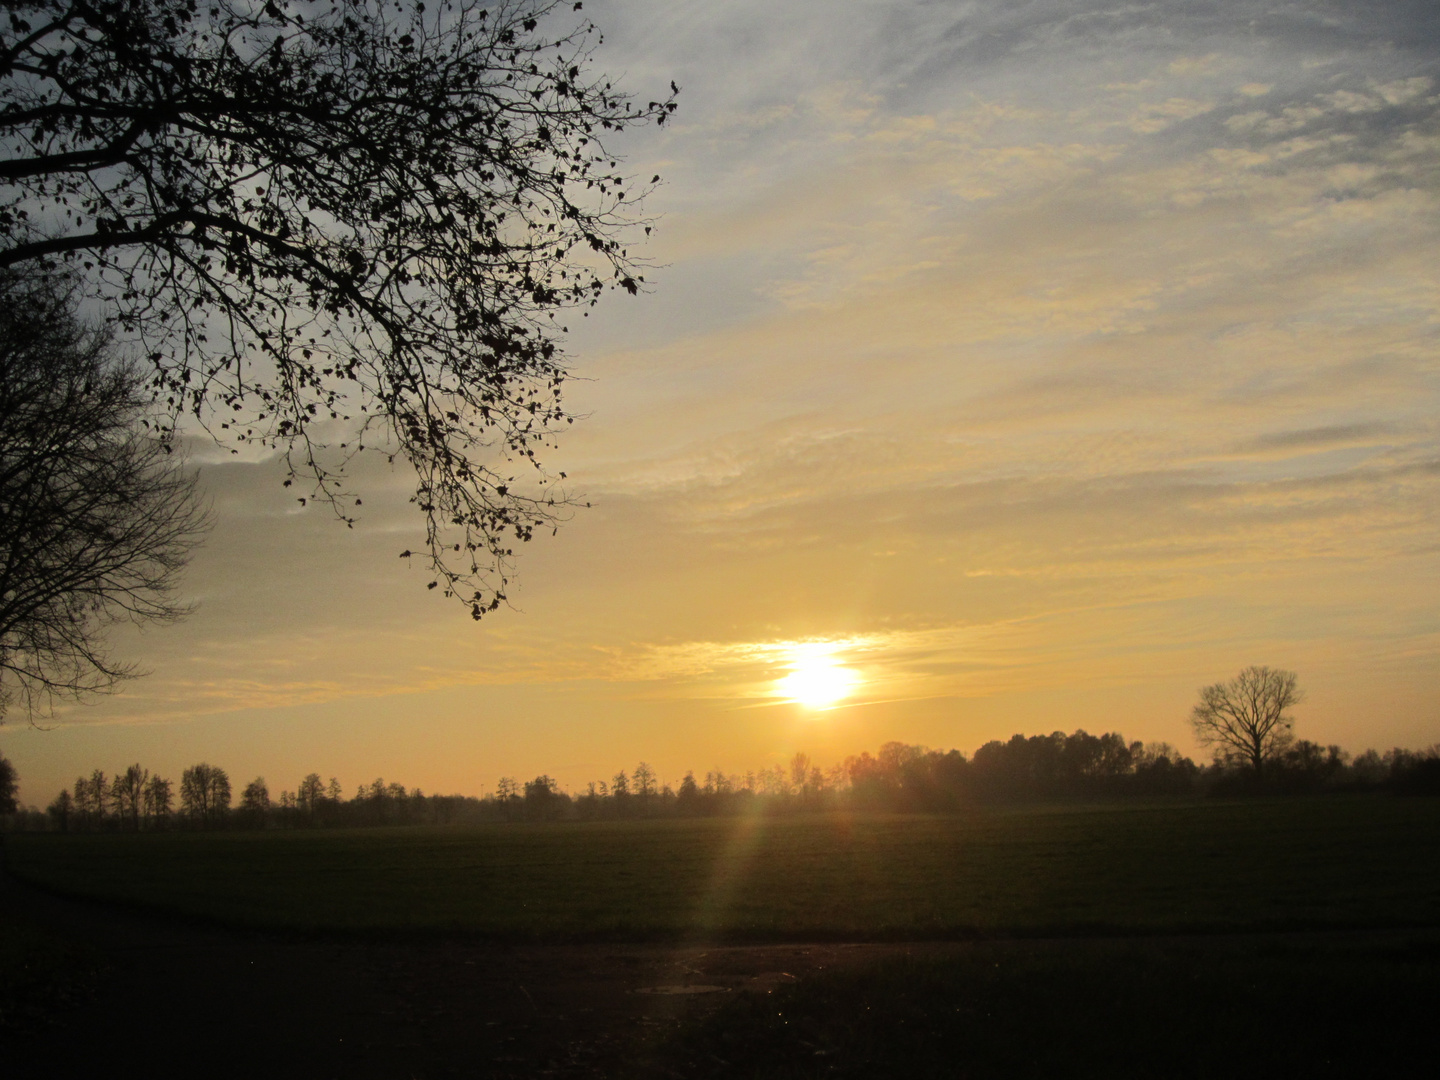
x: 816, y: 680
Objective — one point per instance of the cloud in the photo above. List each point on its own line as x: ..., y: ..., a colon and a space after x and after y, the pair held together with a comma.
x: 1324, y: 438
x: 1004, y: 346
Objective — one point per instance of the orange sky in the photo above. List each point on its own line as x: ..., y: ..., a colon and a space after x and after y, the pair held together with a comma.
x: 1048, y: 367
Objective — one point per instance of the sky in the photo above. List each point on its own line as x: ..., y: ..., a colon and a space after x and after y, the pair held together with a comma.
x: 1038, y: 363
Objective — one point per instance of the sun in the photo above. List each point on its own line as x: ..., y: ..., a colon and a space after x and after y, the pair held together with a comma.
x: 817, y: 681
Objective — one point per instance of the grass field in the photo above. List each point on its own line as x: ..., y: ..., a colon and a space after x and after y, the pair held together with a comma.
x: 1303, y: 1005
x: 1297, y: 863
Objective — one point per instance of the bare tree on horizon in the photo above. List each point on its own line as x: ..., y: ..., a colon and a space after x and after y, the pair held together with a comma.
x: 1246, y: 717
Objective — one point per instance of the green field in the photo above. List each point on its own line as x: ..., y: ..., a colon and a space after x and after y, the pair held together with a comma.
x: 1356, y: 861
x: 1212, y: 1008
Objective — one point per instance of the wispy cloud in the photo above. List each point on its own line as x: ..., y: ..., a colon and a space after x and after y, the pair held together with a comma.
x: 1011, y: 350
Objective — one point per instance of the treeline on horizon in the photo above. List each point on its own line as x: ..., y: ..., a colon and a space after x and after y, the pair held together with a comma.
x: 899, y: 778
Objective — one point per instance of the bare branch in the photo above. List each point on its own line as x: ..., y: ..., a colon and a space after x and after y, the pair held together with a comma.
x: 1246, y: 717
x: 96, y: 518
x: 348, y: 217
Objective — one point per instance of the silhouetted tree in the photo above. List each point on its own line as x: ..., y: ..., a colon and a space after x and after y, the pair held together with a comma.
x: 158, y: 801
x: 96, y: 522
x: 508, y: 793
x: 815, y: 783
x: 773, y: 781
x: 543, y: 800
x: 1161, y: 769
x: 255, y: 801
x: 1369, y: 768
x: 357, y: 216
x: 868, y: 783
x: 309, y: 794
x: 1246, y: 718
x: 91, y: 795
x: 1414, y: 773
x: 205, y: 794
x: 688, y: 796
x: 718, y: 785
x: 60, y: 810
x: 620, y: 792
x: 9, y: 786
x: 127, y: 794
x: 644, y: 786
x: 799, y: 773
x: 1308, y: 766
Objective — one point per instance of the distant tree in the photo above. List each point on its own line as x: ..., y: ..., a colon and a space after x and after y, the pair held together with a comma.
x: 1369, y: 768
x: 894, y: 756
x: 283, y: 810
x: 689, y: 794
x: 9, y: 786
x: 1415, y: 773
x: 1161, y: 769
x: 127, y: 795
x: 1308, y: 766
x: 91, y: 796
x: 774, y: 781
x: 543, y: 799
x: 158, y: 801
x: 621, y: 797
x: 96, y: 521
x: 816, y: 781
x: 1246, y: 719
x: 309, y: 793
x: 590, y: 804
x: 645, y: 782
x: 61, y: 810
x: 799, y: 772
x: 395, y: 806
x: 356, y: 215
x: 205, y: 794
x: 508, y: 794
x: 255, y: 801
x: 1093, y: 762
x: 334, y: 792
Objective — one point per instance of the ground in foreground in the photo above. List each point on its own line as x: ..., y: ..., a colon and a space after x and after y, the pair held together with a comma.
x: 158, y: 995
x: 1211, y: 940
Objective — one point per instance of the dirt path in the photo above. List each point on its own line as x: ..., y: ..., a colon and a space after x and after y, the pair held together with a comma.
x: 230, y: 1003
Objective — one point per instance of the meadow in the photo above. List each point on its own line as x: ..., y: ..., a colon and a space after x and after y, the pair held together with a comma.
x: 1156, y: 868
x: 1209, y: 1008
